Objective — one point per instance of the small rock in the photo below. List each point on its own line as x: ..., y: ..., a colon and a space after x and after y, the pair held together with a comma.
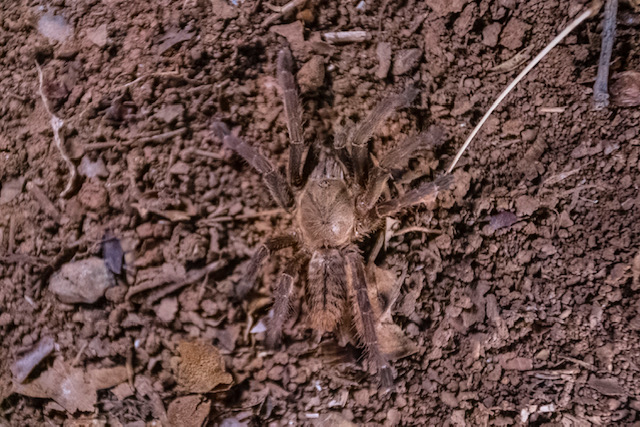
x: 82, y: 281
x: 361, y: 397
x: 167, y: 309
x: 93, y: 169
x: 292, y: 32
x: 383, y: 51
x: 98, y: 35
x: 517, y: 364
x: 502, y: 220
x: 311, y: 74
x: 170, y: 113
x: 93, y: 195
x: 445, y: 7
x: 10, y: 190
x: 513, y: 34
x: 405, y: 60
x: 526, y: 205
x: 490, y: 34
x: 449, y: 399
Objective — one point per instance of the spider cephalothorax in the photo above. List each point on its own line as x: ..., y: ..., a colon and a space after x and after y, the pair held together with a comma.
x: 333, y: 208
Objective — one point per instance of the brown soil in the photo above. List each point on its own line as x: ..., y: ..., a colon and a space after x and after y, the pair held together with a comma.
x: 523, y: 302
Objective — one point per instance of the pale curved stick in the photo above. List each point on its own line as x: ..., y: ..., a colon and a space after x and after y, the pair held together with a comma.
x: 593, y: 9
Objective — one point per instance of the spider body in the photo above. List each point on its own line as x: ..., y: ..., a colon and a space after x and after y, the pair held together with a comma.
x: 332, y: 209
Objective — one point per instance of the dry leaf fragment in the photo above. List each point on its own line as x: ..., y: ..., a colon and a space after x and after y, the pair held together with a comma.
x: 173, y: 37
x: 200, y: 368
x: 72, y: 388
x: 188, y: 411
x: 606, y: 386
x: 22, y: 367
x: 67, y: 386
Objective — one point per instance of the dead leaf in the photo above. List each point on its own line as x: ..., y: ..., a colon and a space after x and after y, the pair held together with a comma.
x: 200, y: 368
x: 64, y: 384
x: 606, y: 386
x: 104, y: 378
x: 188, y: 411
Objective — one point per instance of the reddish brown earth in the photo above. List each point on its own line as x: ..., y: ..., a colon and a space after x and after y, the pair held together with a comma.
x: 521, y: 296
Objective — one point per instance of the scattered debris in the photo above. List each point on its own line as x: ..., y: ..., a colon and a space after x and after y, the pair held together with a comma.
x: 283, y: 11
x: 625, y: 90
x: 54, y: 27
x: 174, y: 37
x: 72, y: 388
x: 188, y: 411
x: 82, y: 281
x: 405, y: 61
x: 346, y: 37
x: 502, y: 219
x: 22, y: 367
x: 91, y: 168
x: 601, y: 86
x: 112, y: 252
x: 98, y: 35
x: 311, y: 74
x: 56, y: 125
x: 383, y: 51
x: 11, y: 189
x: 200, y: 368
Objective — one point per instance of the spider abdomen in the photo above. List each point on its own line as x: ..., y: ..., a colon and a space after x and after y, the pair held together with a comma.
x: 326, y: 291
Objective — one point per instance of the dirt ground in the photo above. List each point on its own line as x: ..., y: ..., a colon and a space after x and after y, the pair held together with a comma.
x: 519, y: 286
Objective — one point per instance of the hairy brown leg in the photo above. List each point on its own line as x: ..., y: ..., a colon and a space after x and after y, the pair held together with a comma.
x: 366, y: 128
x: 341, y: 150
x: 263, y: 252
x: 277, y: 185
x: 396, y: 158
x: 293, y: 114
x: 364, y: 317
x: 282, y: 301
x: 410, y: 198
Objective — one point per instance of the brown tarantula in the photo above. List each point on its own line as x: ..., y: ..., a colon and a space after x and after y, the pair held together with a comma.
x: 338, y: 204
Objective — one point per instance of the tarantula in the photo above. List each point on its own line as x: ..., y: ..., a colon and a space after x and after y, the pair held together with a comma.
x: 333, y: 208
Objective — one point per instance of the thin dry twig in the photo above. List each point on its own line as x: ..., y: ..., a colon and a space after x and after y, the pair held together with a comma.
x: 592, y: 10
x: 192, y: 277
x: 280, y: 12
x: 601, y: 86
x: 56, y: 125
x: 416, y: 229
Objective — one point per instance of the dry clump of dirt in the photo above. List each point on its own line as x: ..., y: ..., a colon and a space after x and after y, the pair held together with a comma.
x: 520, y: 290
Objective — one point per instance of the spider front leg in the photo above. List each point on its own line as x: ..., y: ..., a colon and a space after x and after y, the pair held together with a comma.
x: 277, y: 185
x: 396, y: 158
x: 364, y: 316
x: 282, y: 301
x: 362, y: 133
x: 263, y: 252
x: 293, y: 113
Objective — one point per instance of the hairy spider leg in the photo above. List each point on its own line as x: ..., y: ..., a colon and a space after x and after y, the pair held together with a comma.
x: 277, y: 185
x: 293, y: 114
